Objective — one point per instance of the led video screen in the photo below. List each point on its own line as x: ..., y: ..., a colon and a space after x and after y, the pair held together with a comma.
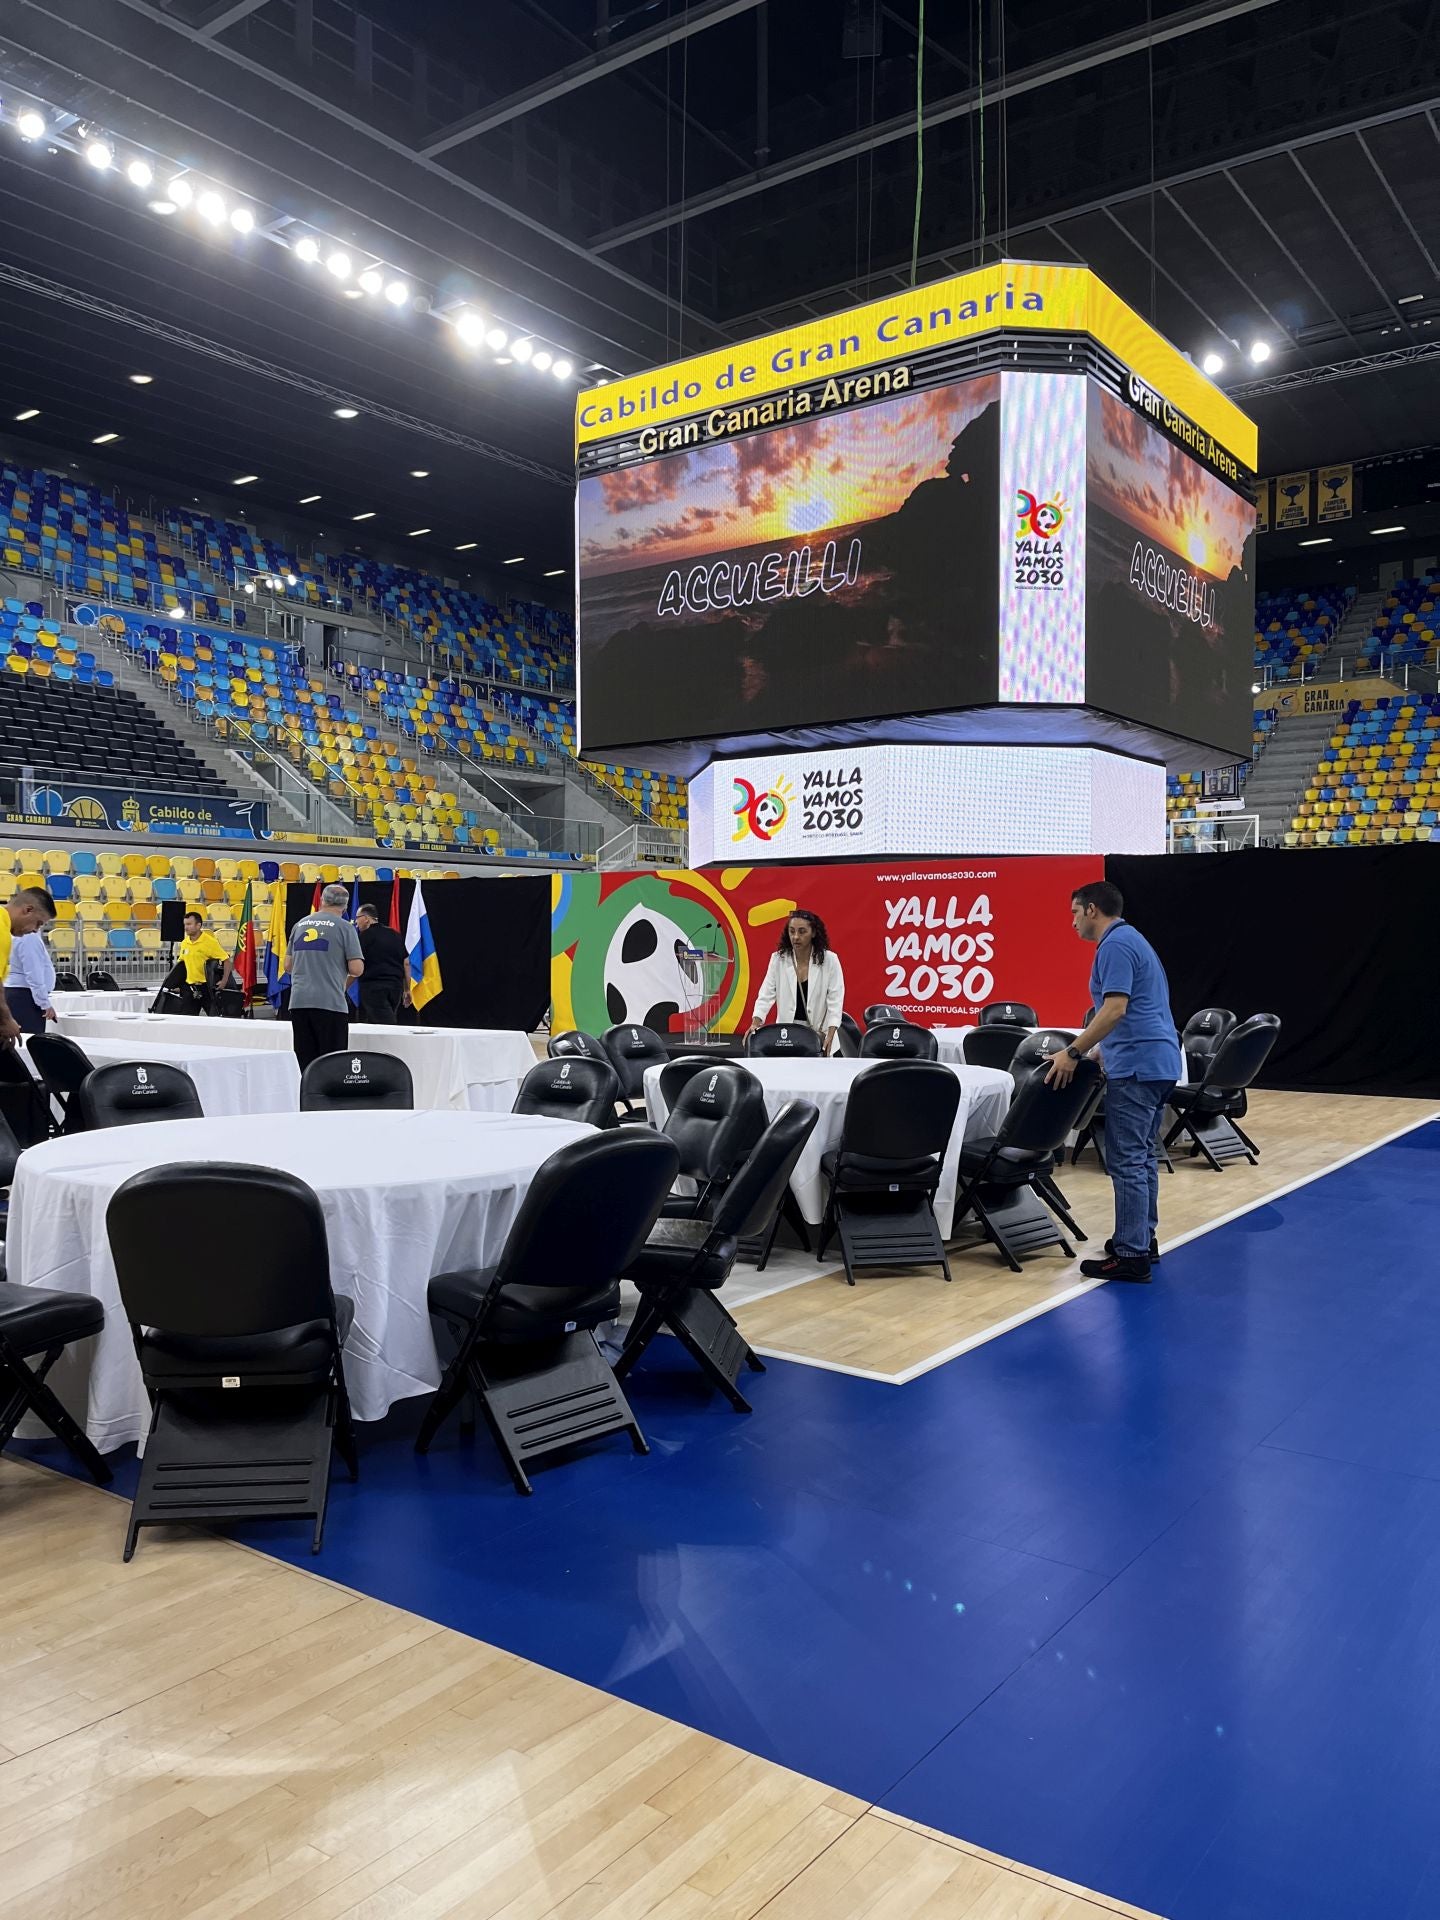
x: 1170, y: 584
x: 837, y: 567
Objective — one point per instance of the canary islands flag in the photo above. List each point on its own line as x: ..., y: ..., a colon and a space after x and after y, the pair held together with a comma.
x: 276, y: 978
x: 425, y: 980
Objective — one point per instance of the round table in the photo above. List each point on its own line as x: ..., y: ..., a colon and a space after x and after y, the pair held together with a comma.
x: 97, y: 1002
x: 229, y: 1080
x: 405, y: 1196
x: 478, y: 1069
x: 984, y: 1096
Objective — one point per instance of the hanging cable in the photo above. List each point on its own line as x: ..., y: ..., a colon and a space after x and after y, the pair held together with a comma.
x: 980, y: 115
x: 684, y: 150
x: 1150, y: 87
x: 919, y: 140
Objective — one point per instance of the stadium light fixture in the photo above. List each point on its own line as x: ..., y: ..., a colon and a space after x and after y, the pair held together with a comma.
x: 250, y: 586
x: 32, y: 124
x: 246, y: 479
x: 338, y: 263
x: 419, y: 473
x: 470, y: 326
x: 347, y: 413
x: 142, y: 379
x: 497, y: 339
x: 562, y: 369
x: 1323, y: 541
x: 1213, y: 363
x: 307, y: 249
x: 372, y: 280
x: 542, y: 360
x: 523, y: 349
x: 30, y: 413
x: 1260, y: 351
x: 140, y: 173
x: 554, y: 573
x: 104, y: 439
x: 292, y: 579
x: 1387, y: 529
x: 242, y: 220
x: 415, y: 532
x: 100, y: 155
x: 515, y: 560
x: 1409, y: 299
x: 398, y: 293
x: 309, y: 499
x: 180, y: 191
x: 163, y: 207
x: 369, y: 514
x: 467, y: 546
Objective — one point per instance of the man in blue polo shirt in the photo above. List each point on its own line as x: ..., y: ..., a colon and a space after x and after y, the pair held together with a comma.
x: 1140, y: 1052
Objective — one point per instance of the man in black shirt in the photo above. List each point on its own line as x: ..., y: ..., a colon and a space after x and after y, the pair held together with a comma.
x: 385, y: 983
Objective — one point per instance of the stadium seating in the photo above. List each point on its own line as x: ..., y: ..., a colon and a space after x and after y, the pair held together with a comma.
x: 1404, y: 628
x: 1291, y: 627
x: 52, y: 525
x: 1378, y: 780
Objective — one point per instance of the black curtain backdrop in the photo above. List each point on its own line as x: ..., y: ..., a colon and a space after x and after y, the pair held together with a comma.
x: 492, y: 938
x: 1341, y: 944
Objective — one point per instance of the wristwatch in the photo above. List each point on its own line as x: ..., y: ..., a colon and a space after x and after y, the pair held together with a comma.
x: 1074, y: 1052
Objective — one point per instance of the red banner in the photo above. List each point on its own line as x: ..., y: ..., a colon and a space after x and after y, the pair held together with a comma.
x: 938, y: 938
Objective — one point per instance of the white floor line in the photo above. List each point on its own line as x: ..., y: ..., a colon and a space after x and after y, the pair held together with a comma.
x: 974, y: 1340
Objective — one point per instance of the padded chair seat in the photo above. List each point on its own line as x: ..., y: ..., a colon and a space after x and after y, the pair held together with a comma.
x: 521, y: 1313
x: 299, y: 1349
x: 1011, y: 1165
x: 865, y: 1170
x: 34, y: 1318
x: 669, y: 1255
x: 1198, y: 1101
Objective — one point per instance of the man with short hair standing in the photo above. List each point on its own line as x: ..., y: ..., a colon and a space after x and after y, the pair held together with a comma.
x: 29, y: 910
x: 387, y: 972
x: 324, y: 958
x: 1140, y: 1051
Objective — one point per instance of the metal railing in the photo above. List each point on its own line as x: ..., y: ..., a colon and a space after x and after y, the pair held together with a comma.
x: 1359, y: 668
x: 643, y: 846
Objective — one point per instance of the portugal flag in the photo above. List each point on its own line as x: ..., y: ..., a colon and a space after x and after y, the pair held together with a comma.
x: 245, y: 962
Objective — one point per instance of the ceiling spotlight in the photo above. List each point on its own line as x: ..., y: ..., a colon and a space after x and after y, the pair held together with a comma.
x: 415, y: 532
x: 180, y: 191
x: 1212, y: 364
x: 1409, y: 299
x: 30, y: 413
x: 1325, y: 541
x: 308, y: 249
x: 497, y: 338
x: 523, y: 349
x: 104, y: 439
x: 243, y: 220
x: 369, y: 515
x: 466, y: 545
x: 554, y: 573
x: 1387, y: 529
x: 1260, y: 351
x: 210, y: 207
x: 347, y: 413
x: 309, y: 499
x: 338, y: 264
x: 470, y: 326
x: 32, y: 125
x: 542, y: 360
x: 352, y: 293
x: 141, y: 379
x: 140, y: 173
x: 372, y: 280
x: 562, y: 369
x: 163, y: 206
x: 397, y: 293
x: 100, y: 155
x: 514, y: 560
x: 245, y: 479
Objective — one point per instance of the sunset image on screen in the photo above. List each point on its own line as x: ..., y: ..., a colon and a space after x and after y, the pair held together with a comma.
x: 1149, y: 482
x: 784, y: 484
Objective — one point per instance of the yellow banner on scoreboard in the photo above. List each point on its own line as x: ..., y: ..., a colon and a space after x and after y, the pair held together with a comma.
x: 1262, y: 506
x: 1012, y: 295
x: 1335, y: 491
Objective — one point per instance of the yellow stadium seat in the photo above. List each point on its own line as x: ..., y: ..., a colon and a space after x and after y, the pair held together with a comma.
x: 57, y: 859
x: 136, y: 865
x: 148, y: 939
x: 110, y: 863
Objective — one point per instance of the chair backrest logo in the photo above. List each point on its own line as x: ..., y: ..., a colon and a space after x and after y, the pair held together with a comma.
x: 565, y: 1071
x: 355, y: 1066
x: 142, y: 1078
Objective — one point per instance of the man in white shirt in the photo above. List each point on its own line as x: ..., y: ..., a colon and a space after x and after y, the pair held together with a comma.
x: 30, y: 982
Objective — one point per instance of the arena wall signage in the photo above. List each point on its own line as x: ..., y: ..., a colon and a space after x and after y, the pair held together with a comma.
x: 122, y: 809
x: 937, y: 938
x: 955, y: 502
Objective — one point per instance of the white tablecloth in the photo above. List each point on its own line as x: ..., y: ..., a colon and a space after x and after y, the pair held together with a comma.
x: 460, y: 1068
x: 406, y: 1196
x: 229, y: 1080
x: 984, y: 1096
x: 75, y: 1003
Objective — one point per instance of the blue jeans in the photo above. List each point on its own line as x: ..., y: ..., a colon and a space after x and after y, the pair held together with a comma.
x: 1134, y: 1110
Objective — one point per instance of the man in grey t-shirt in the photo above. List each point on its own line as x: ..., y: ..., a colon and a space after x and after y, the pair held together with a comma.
x: 324, y: 958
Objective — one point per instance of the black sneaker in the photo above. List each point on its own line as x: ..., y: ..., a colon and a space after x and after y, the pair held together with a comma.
x: 1154, y: 1249
x: 1115, y: 1267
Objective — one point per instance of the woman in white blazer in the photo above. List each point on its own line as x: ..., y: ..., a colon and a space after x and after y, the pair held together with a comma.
x: 804, y: 983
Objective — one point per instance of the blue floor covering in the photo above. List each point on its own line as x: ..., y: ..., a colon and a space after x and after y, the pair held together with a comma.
x: 1145, y: 1594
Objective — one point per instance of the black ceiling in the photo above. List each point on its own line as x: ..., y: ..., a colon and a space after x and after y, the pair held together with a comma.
x: 630, y: 180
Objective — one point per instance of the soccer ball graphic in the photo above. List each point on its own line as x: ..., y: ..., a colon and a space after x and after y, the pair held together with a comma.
x: 644, y: 985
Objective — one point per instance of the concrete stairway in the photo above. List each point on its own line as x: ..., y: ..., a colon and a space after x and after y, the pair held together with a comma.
x: 1284, y: 770
x: 1338, y: 659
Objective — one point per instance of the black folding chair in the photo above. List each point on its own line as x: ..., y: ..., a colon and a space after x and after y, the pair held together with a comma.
x: 715, y: 1122
x: 899, y: 1040
x: 684, y: 1263
x: 632, y: 1051
x: 240, y: 1354
x: 790, y: 1041
x: 1005, y: 1175
x: 577, y: 1089
x: 527, y: 1348
x: 849, y: 1036
x: 566, y: 1046
x: 132, y: 1093
x: 1210, y: 1112
x: 879, y: 1012
x: 683, y: 1068
x: 62, y: 1067
x: 1010, y: 1013
x: 1202, y: 1034
x: 992, y: 1046
x: 883, y: 1176
x: 10, y: 1151
x: 67, y: 981
x: 23, y: 1100
x: 99, y: 980
x: 357, y: 1083
x: 36, y: 1323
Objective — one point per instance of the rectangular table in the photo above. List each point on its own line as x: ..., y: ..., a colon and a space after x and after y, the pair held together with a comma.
x: 127, y: 1000
x: 984, y: 1096
x: 229, y: 1080
x: 475, y: 1069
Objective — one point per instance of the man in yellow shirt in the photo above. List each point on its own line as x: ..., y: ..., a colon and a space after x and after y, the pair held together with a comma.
x: 27, y: 911
x: 198, y: 946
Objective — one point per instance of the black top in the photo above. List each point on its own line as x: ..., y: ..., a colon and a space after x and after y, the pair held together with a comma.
x: 383, y: 951
x: 802, y: 1000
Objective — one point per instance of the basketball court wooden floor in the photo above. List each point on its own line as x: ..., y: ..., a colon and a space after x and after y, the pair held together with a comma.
x: 210, y: 1732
